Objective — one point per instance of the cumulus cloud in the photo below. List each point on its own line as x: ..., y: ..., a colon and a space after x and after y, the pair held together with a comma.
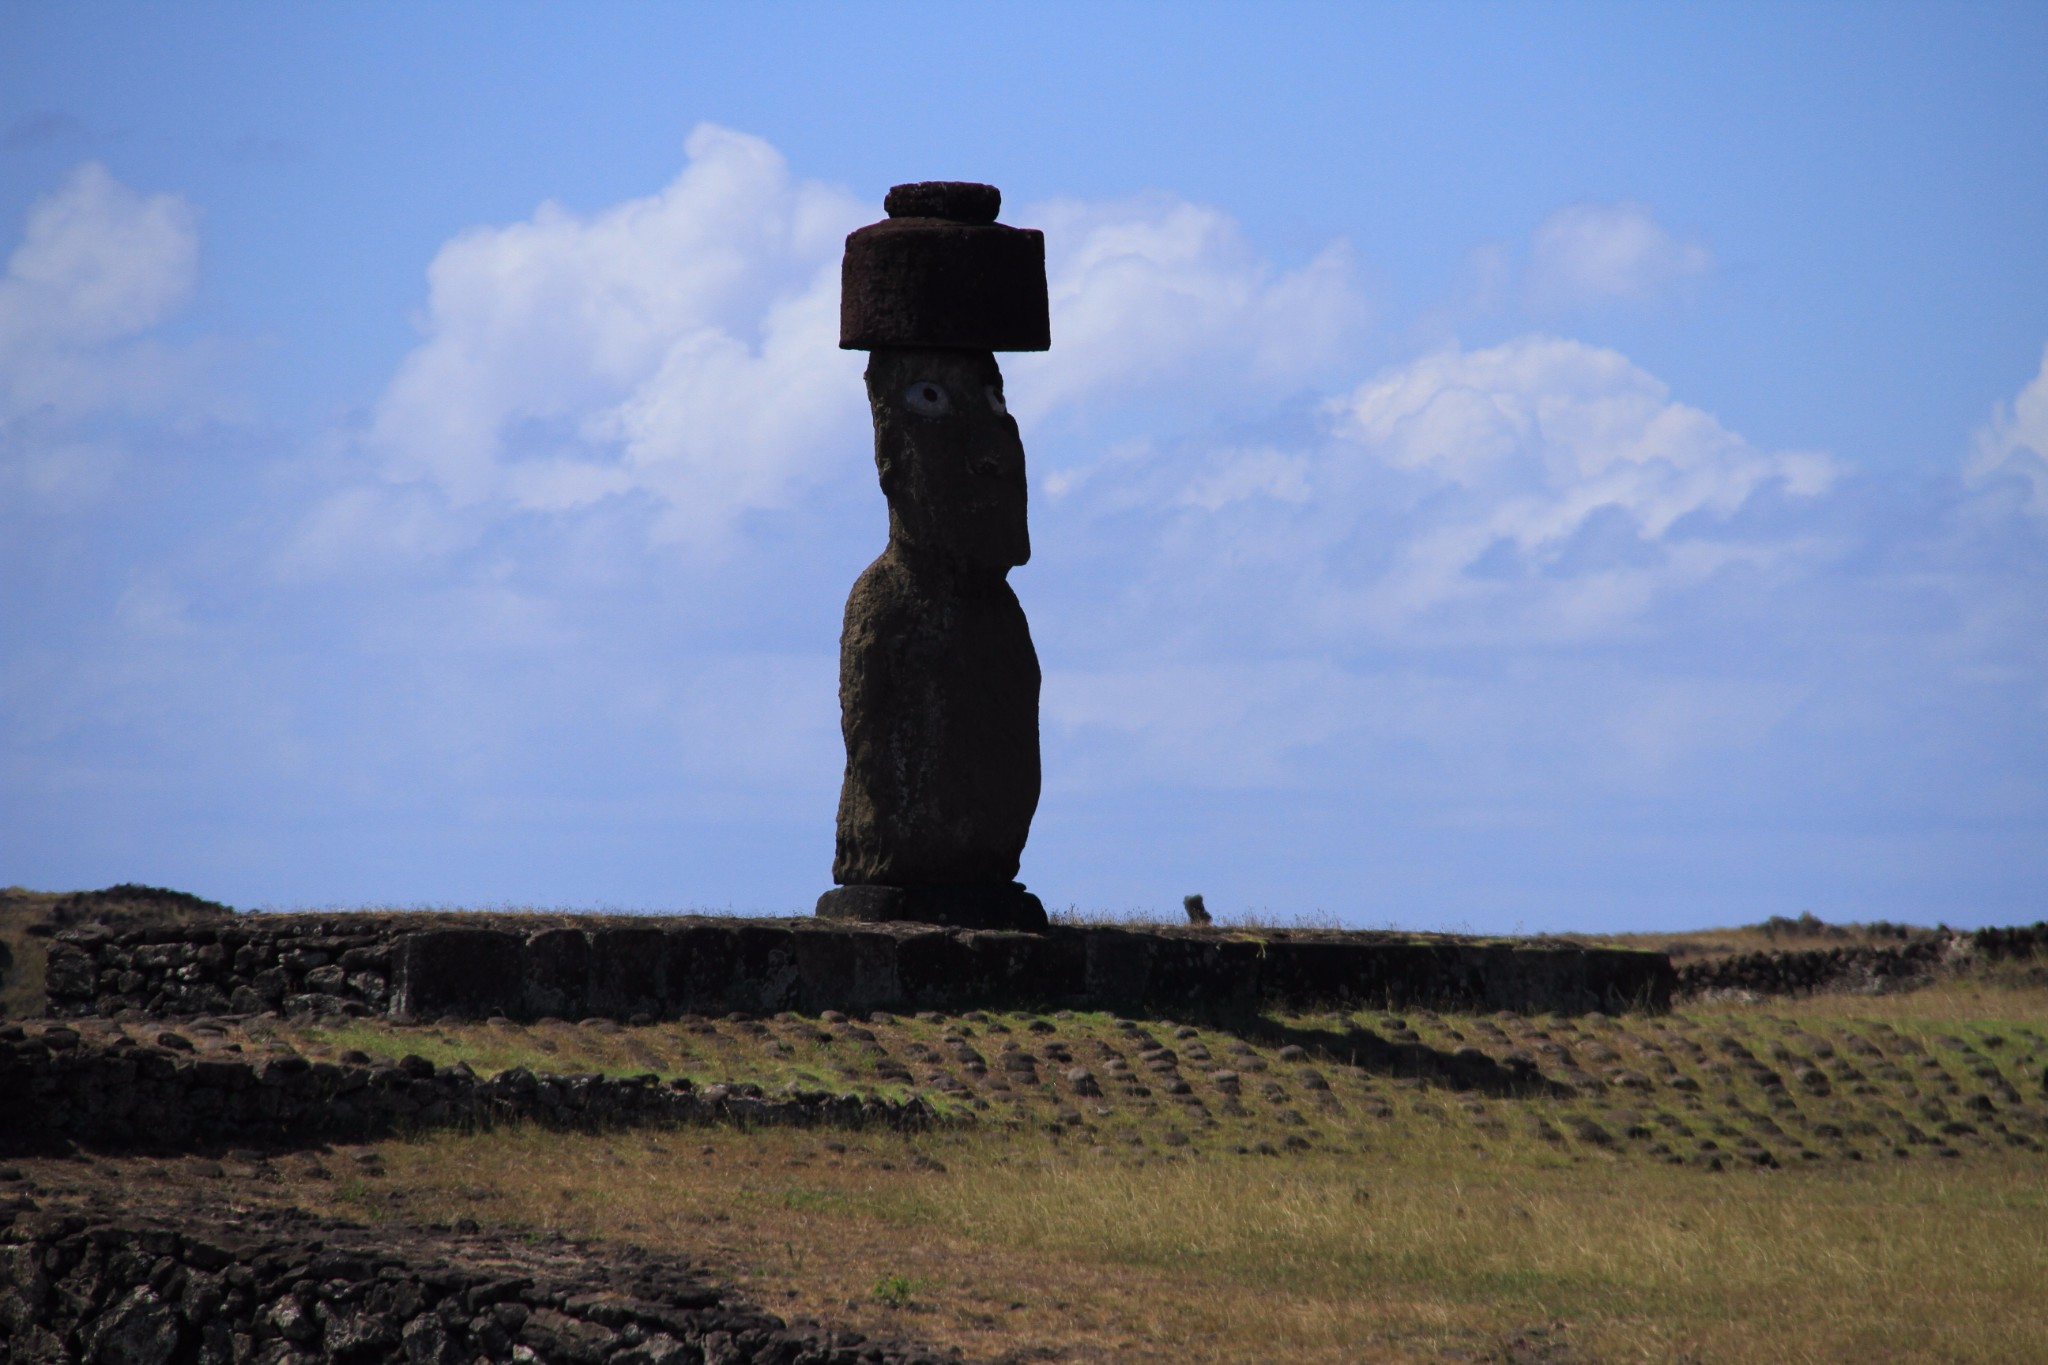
x: 2014, y: 444
x: 1262, y: 472
x: 98, y: 267
x: 1542, y: 489
x: 679, y: 351
x: 1158, y: 295
x: 1586, y: 254
x: 682, y: 345
x: 98, y: 264
x: 1558, y: 475
x: 1296, y: 612
x: 1214, y: 722
x: 1302, y: 722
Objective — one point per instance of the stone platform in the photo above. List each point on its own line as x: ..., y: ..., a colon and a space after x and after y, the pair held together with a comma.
x: 424, y: 966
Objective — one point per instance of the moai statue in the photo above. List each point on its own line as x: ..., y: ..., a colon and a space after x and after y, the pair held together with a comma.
x: 938, y: 682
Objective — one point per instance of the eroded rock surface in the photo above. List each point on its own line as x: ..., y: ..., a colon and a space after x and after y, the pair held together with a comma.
x: 938, y: 678
x: 218, y: 1288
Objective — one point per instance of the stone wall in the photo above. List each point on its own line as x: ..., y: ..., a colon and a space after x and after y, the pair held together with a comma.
x: 62, y: 1089
x: 663, y: 968
x: 246, y: 964
x: 293, y: 1290
x: 1858, y: 968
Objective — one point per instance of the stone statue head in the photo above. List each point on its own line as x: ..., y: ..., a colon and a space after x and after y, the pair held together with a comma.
x: 949, y: 456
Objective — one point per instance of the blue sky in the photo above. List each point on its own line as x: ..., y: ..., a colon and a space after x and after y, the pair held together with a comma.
x: 1498, y: 466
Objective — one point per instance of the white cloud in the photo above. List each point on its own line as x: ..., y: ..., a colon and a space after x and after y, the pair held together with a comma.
x: 1543, y: 491
x: 1213, y: 723
x: 1431, y: 596
x: 98, y: 267
x: 1585, y: 254
x: 97, y: 261
x: 1294, y: 722
x: 367, y: 529
x: 1263, y: 472
x: 682, y: 345
x: 1158, y: 295
x: 1558, y: 477
x: 2014, y: 444
x: 1648, y: 724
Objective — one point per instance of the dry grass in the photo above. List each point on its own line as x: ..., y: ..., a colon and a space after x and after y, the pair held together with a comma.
x: 22, y: 954
x: 1985, y: 999
x: 1411, y: 1220
x: 1771, y: 936
x: 1249, y: 920
x: 1026, y: 1242
x: 28, y: 918
x: 1649, y: 1196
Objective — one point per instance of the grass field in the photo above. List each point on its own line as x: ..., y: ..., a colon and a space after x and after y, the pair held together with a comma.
x: 1867, y: 1183
x: 1833, y: 1178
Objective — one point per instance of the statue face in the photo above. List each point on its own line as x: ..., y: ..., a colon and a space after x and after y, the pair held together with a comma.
x: 950, y: 458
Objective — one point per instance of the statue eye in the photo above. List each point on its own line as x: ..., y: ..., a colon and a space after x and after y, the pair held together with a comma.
x: 927, y: 399
x: 995, y: 397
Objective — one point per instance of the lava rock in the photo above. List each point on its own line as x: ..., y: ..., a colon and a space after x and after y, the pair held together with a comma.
x: 938, y: 679
x: 940, y: 271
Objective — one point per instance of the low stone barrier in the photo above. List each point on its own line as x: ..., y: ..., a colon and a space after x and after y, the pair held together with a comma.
x: 60, y: 1088
x: 2019, y: 941
x: 288, y: 1288
x: 1860, y: 967
x: 664, y: 968
x: 243, y: 964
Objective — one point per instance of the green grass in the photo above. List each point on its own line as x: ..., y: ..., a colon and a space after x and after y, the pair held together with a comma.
x: 1941, y: 1071
x: 1645, y: 1193
x: 1407, y: 1219
x: 1392, y: 1253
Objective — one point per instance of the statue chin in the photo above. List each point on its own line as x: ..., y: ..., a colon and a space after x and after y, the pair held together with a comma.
x: 996, y: 548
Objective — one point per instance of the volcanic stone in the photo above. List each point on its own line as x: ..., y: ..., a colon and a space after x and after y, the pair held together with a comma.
x: 956, y: 200
x: 940, y: 271
x: 938, y: 679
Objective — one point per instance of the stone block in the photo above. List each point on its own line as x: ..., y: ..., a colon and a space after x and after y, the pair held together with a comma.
x: 1618, y: 980
x: 958, y: 969
x: 994, y: 905
x: 557, y: 977
x: 474, y: 972
x: 847, y: 969
x: 1206, y: 973
x: 629, y: 973
x: 714, y: 968
x: 1118, y: 971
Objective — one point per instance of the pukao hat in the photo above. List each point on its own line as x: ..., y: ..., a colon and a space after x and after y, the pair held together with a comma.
x: 941, y: 273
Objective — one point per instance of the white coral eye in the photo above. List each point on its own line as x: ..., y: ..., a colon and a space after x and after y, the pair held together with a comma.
x: 928, y: 399
x: 995, y: 397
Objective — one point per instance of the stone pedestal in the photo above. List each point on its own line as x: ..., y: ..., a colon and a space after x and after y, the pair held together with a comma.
x: 990, y: 905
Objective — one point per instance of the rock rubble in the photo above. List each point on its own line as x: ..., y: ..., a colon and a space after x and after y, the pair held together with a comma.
x: 291, y: 1289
